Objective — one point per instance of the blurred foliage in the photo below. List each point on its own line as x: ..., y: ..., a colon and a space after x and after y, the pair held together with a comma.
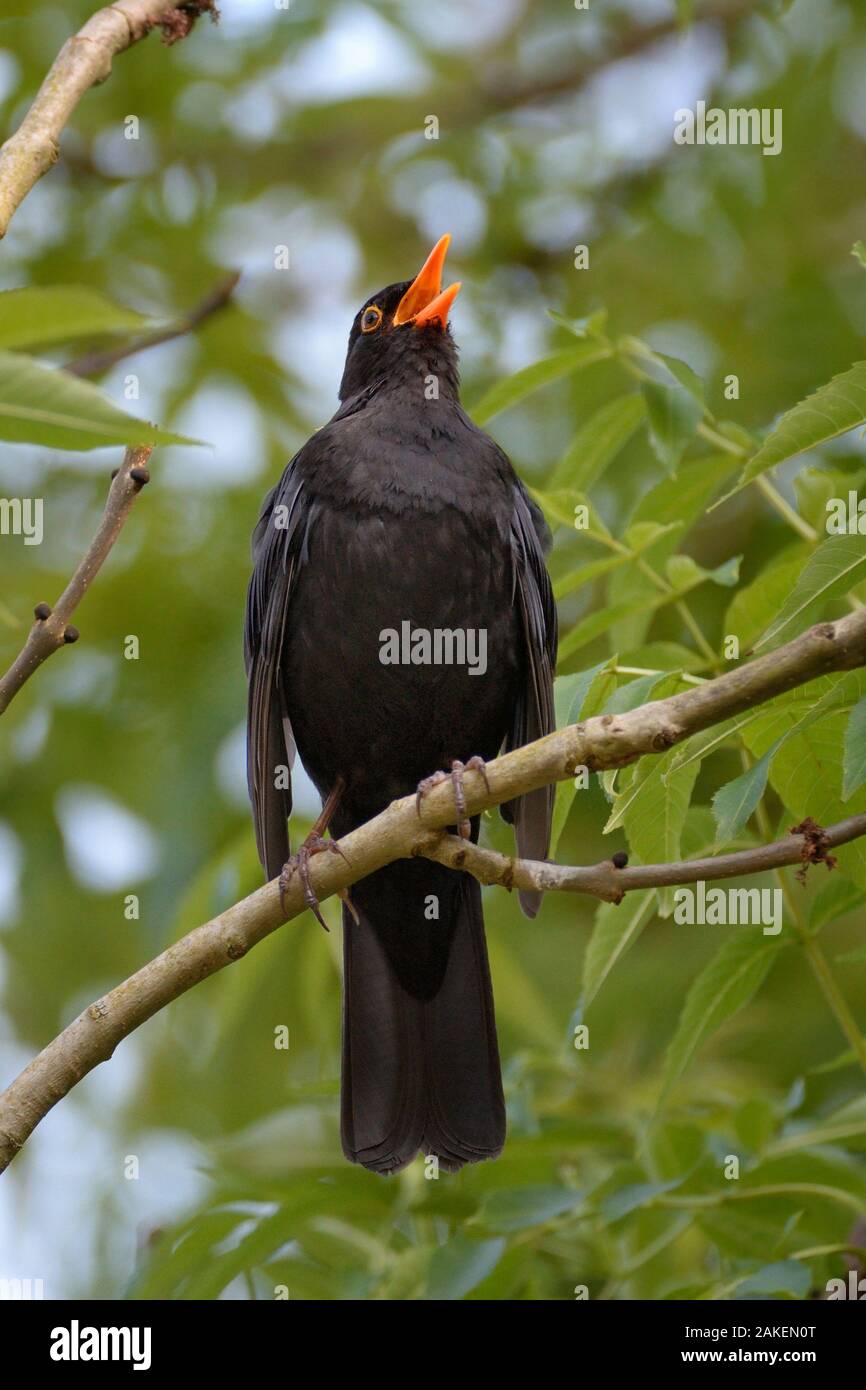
x: 307, y: 130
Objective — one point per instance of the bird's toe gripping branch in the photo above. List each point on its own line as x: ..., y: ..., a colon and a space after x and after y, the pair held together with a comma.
x: 456, y: 777
x: 300, y: 864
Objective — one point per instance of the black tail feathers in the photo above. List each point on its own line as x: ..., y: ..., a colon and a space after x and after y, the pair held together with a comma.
x: 420, y: 1059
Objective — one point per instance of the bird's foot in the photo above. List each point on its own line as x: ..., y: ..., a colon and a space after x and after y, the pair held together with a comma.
x: 300, y: 864
x: 456, y: 777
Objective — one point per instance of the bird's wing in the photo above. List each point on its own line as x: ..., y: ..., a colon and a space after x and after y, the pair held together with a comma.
x: 277, y: 544
x: 534, y: 713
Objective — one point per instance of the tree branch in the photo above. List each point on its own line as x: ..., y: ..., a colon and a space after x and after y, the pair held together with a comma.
x: 610, y: 881
x: 400, y: 831
x: 52, y: 628
x: 95, y: 363
x: 496, y: 94
x: 83, y: 62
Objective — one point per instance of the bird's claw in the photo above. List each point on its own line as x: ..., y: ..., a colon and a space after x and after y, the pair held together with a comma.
x: 456, y: 777
x: 300, y: 864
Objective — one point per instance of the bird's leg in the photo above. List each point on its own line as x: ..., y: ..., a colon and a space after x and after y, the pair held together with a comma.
x: 315, y: 843
x: 456, y: 777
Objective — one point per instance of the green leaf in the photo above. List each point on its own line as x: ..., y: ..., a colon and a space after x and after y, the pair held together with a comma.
x: 673, y: 415
x: 664, y: 656
x: 685, y: 573
x: 834, y: 569
x: 599, y: 441
x: 630, y: 1198
x: 724, y: 986
x: 459, y: 1265
x: 653, y: 811
x: 754, y: 1122
x: 521, y: 384
x: 673, y: 501
x: 585, y: 574
x: 559, y: 507
x: 617, y: 928
x: 835, y: 899
x: 684, y: 498
x: 576, y: 696
x: 734, y: 803
x: 638, y: 538
x: 807, y: 770
x: 41, y: 315
x: 858, y: 251
x: 854, y: 755
x: 591, y: 326
x: 701, y: 745
x: 788, y: 1277
x: 595, y: 624
x: 755, y: 605
x: 633, y: 693
x: 42, y: 405
x: 660, y: 368
x: 518, y: 1209
x: 819, y: 491
x: 830, y: 411
x: 684, y: 374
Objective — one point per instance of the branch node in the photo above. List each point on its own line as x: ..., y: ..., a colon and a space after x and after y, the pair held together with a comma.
x: 98, y: 1010
x: 665, y: 738
x: 178, y: 23
x: 816, y: 844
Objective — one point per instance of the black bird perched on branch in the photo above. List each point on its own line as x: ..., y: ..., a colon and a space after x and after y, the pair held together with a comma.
x: 400, y: 619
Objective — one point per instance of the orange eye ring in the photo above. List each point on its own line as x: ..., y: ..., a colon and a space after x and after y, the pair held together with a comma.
x: 371, y: 318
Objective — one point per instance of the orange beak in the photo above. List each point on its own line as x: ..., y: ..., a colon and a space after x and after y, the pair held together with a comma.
x: 425, y: 301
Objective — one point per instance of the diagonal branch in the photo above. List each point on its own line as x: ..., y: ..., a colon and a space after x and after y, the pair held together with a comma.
x: 399, y: 832
x: 52, y: 628
x: 83, y: 62
x: 95, y: 363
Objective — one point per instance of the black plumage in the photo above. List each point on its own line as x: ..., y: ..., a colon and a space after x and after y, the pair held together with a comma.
x: 401, y: 509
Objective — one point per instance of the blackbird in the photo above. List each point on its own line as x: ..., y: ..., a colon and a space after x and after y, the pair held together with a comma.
x: 400, y: 621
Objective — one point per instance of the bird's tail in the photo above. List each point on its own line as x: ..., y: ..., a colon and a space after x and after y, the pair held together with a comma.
x: 420, y: 1058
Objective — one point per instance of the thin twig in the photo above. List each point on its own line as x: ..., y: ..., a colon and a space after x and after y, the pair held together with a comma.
x: 52, y: 628
x: 605, y: 741
x: 610, y: 882
x: 95, y: 363
x: 83, y: 62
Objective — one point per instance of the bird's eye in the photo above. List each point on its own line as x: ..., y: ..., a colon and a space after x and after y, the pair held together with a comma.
x: 371, y: 318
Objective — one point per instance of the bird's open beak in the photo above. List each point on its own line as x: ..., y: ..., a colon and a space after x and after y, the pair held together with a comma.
x: 425, y: 301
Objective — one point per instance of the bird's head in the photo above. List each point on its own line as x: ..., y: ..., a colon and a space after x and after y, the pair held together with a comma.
x: 401, y: 333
